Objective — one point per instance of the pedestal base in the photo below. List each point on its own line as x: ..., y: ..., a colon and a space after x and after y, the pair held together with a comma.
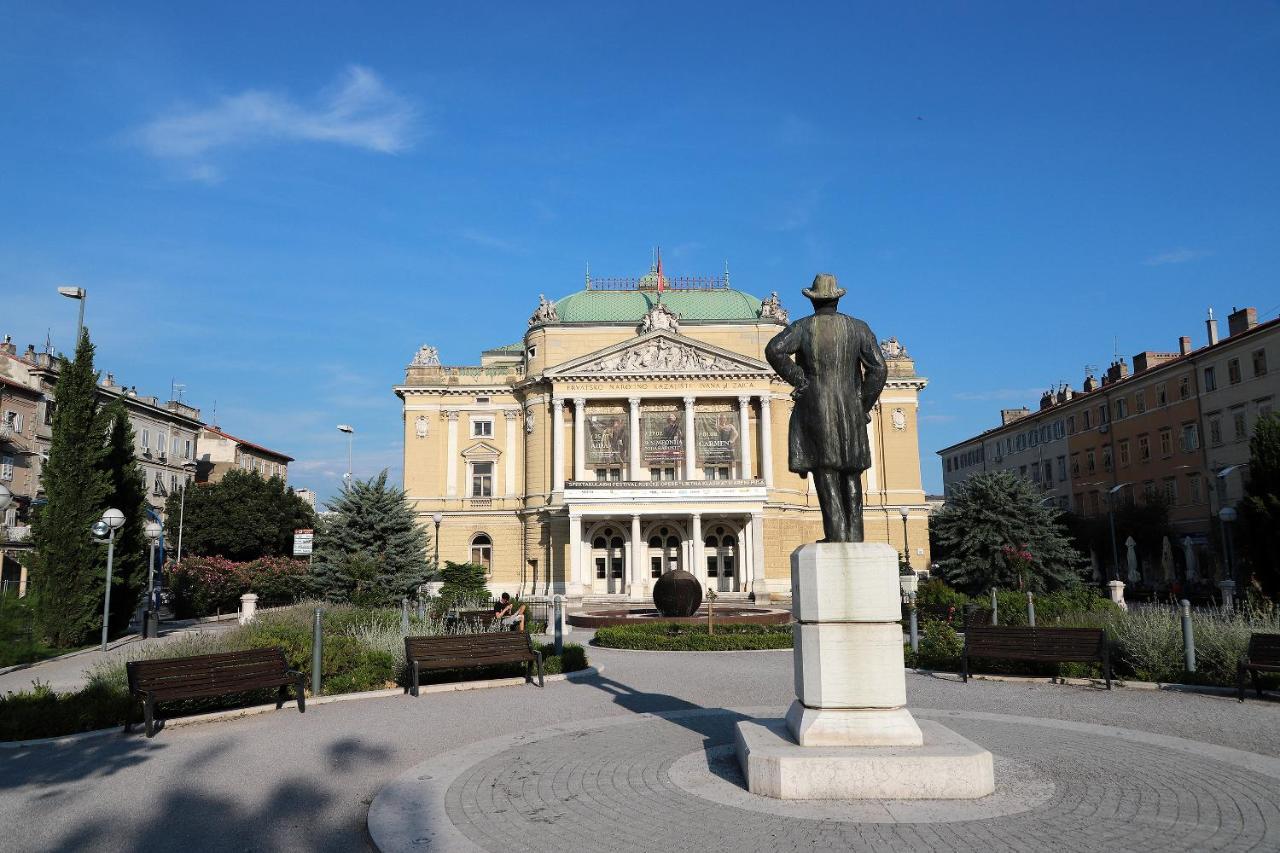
x: 946, y: 767
x: 852, y: 727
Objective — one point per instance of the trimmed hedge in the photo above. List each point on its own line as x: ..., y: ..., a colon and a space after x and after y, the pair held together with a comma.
x: 677, y: 637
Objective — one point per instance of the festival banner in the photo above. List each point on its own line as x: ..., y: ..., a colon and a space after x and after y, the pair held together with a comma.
x: 607, y: 439
x: 716, y: 438
x: 662, y: 436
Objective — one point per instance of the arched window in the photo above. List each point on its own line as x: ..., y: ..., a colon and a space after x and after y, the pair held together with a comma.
x: 482, y: 551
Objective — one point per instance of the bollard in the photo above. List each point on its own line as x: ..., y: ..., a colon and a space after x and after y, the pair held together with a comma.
x: 317, y: 653
x: 995, y: 608
x: 422, y: 609
x: 558, y: 601
x: 248, y: 607
x: 915, y: 624
x: 1188, y: 637
x: 404, y: 616
x: 1031, y: 609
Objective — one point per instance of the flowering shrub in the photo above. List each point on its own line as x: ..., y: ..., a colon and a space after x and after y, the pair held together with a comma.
x: 205, y: 585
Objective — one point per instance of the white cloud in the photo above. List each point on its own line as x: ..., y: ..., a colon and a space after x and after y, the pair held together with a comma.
x: 357, y: 111
x: 487, y: 240
x: 1179, y: 255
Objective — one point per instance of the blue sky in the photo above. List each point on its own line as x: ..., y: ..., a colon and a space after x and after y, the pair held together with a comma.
x: 276, y: 204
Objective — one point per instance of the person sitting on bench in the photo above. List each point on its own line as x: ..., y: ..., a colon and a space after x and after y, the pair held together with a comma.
x: 502, y: 610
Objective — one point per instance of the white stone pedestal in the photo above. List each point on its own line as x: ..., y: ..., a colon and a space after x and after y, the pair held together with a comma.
x: 849, y: 733
x: 1116, y: 588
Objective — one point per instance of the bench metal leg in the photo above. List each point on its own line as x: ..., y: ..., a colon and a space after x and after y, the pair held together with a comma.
x: 1106, y: 665
x: 413, y: 685
x: 1240, y: 682
x: 299, y: 690
x: 149, y: 715
x: 1257, y: 682
x: 128, y: 714
x: 537, y: 656
x: 281, y: 695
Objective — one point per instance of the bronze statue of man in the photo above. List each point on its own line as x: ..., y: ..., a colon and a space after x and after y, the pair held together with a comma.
x: 838, y: 373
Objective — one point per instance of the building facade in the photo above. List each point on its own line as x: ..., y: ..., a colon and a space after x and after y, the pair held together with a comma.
x: 1177, y: 425
x: 633, y: 430
x: 221, y: 452
x: 19, y: 458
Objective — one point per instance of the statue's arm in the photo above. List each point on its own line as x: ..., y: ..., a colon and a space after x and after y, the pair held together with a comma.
x: 778, y: 353
x: 874, y: 371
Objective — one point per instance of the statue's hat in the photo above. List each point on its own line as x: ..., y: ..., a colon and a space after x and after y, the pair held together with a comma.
x: 824, y: 287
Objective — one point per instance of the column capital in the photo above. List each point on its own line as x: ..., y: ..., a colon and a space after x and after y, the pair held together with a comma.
x: 450, y: 414
x: 744, y: 400
x: 579, y: 402
x: 697, y: 516
x: 634, y: 401
x: 757, y: 513
x: 688, y: 401
x: 557, y: 402
x: 510, y: 414
x: 635, y: 516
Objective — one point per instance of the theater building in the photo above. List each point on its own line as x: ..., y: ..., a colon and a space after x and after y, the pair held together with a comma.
x: 634, y: 429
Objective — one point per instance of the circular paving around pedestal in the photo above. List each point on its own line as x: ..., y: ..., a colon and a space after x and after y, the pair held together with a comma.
x: 667, y: 782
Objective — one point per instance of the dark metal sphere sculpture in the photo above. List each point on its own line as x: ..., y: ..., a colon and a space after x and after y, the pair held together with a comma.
x: 677, y: 593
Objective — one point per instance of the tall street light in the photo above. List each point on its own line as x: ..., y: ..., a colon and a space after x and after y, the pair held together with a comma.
x: 906, y: 549
x: 1111, y: 515
x: 150, y: 622
x: 437, y: 518
x: 80, y: 295
x: 111, y: 521
x: 350, y: 431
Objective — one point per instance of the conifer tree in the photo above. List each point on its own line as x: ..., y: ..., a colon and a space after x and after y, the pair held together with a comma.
x: 996, y: 532
x: 372, y: 550
x: 128, y: 493
x: 68, y: 569
x: 1260, y: 509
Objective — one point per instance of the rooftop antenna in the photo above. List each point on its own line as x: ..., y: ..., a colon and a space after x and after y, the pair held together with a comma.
x: 726, y: 272
x: 48, y: 342
x: 1115, y: 348
x: 588, y: 275
x: 213, y: 419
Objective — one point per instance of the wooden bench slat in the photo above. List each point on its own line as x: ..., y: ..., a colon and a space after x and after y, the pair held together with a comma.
x: 465, y: 651
x: 1044, y: 645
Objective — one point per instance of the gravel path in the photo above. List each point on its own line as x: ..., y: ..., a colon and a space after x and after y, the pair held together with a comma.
x: 283, y: 781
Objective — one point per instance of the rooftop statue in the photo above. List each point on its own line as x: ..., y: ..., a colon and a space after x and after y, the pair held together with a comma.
x: 545, y: 312
x: 838, y: 372
x: 427, y: 356
x: 771, y: 309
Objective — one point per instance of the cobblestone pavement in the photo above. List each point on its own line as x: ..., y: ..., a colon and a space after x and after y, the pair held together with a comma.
x: 1173, y: 765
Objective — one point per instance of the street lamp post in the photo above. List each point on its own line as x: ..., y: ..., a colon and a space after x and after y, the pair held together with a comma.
x: 6, y: 498
x: 111, y: 521
x: 906, y: 548
x: 80, y: 295
x: 150, y: 623
x: 350, y: 431
x: 437, y: 518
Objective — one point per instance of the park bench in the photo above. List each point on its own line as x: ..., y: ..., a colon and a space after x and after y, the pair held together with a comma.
x: 465, y: 651
x: 201, y: 676
x: 1047, y: 645
x: 1263, y: 655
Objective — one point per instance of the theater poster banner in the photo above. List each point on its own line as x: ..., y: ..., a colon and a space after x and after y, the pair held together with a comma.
x: 662, y: 436
x: 607, y: 439
x: 716, y: 438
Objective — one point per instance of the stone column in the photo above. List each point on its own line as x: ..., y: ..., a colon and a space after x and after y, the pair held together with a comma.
x: 690, y: 457
x: 557, y: 444
x: 573, y: 587
x: 766, y: 438
x: 744, y: 438
x: 22, y: 580
x: 451, y: 455
x: 699, y: 569
x: 746, y: 559
x: 637, y: 587
x: 509, y: 487
x: 1116, y: 588
x: 579, y: 439
x: 633, y: 435
x: 759, y: 587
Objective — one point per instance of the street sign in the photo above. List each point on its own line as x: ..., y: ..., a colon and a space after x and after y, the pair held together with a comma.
x: 302, y: 541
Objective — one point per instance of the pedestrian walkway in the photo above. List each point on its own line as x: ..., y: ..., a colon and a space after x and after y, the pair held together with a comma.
x: 634, y: 759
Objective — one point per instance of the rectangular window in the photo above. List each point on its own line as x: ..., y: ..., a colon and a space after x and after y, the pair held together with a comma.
x: 1093, y: 503
x: 1090, y: 462
x: 157, y: 487
x: 186, y: 449
x: 162, y: 442
x: 173, y: 482
x: 655, y: 567
x: 1144, y: 448
x: 1062, y: 468
x: 600, y: 568
x: 1140, y: 401
x: 1171, y: 491
x: 1124, y: 452
x: 1184, y: 388
x: 1048, y: 473
x: 481, y: 479
x: 482, y: 428
x: 1106, y: 457
x: 1190, y: 438
x: 1166, y: 442
x: 1233, y: 371
x: 6, y: 468
x: 1215, y: 431
x: 1193, y: 488
x: 1122, y: 408
x: 1104, y: 414
x: 1238, y: 422
x: 1035, y: 473
x: 1071, y: 425
x: 1075, y: 464
x: 1085, y: 416
x: 146, y: 440
x: 14, y: 421
x: 1162, y: 394
x: 1259, y: 362
x: 1210, y: 379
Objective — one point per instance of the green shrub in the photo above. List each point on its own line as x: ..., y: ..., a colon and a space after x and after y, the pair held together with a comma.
x: 935, y: 591
x: 462, y: 581
x: 940, y: 647
x: 683, y: 637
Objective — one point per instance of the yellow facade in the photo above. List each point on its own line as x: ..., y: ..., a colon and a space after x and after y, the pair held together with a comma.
x: 631, y: 432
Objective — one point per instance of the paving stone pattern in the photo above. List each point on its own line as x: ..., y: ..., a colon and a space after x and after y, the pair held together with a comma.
x: 609, y: 789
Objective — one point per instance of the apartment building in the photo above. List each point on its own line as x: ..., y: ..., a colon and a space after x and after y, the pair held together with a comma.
x: 221, y: 452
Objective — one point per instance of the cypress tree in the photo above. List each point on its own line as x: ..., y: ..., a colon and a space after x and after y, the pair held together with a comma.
x: 371, y: 551
x: 127, y: 493
x: 996, y: 532
x: 68, y: 569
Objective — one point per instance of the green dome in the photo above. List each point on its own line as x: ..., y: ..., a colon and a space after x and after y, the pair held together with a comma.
x: 629, y: 306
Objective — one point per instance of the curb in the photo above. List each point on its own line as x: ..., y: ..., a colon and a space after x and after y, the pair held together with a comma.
x: 1162, y: 686
x: 594, y: 645
x: 237, y: 713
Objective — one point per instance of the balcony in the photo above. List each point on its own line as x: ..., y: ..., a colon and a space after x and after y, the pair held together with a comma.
x: 16, y: 533
x: 663, y: 491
